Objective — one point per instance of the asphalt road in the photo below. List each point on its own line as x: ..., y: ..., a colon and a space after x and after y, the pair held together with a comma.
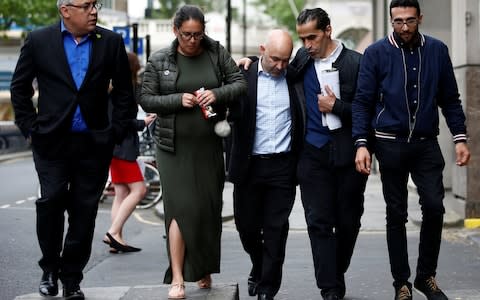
x: 112, y: 275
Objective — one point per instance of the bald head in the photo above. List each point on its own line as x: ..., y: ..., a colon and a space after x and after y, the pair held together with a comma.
x: 276, y: 52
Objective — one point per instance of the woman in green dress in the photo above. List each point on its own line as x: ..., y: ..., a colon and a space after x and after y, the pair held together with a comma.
x: 179, y: 83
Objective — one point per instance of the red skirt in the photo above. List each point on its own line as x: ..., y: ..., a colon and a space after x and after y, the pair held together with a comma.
x: 124, y: 171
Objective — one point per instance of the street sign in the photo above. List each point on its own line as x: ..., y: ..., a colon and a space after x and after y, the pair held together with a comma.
x: 125, y: 32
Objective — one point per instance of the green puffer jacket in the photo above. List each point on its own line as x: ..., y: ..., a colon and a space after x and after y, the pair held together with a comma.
x: 159, y: 94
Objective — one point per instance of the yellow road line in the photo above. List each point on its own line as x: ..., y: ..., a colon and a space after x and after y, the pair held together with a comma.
x: 139, y: 218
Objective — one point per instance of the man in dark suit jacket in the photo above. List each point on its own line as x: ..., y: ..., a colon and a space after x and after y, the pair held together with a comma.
x: 266, y: 135
x: 332, y: 191
x: 71, y: 135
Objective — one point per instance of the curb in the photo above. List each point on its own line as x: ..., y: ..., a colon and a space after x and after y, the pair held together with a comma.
x: 475, y: 237
x: 221, y: 291
x: 15, y: 155
x: 451, y: 219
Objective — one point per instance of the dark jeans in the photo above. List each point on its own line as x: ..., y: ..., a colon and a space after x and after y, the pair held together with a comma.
x: 332, y: 198
x: 72, y: 181
x: 423, y: 160
x: 262, y: 205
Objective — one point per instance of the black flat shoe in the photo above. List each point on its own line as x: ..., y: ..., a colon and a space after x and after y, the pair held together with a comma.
x: 264, y: 297
x: 48, y: 284
x: 120, y: 247
x: 133, y: 249
x: 252, y: 286
x: 73, y: 293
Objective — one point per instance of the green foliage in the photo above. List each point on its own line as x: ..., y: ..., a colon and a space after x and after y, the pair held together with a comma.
x: 28, y: 13
x: 280, y: 11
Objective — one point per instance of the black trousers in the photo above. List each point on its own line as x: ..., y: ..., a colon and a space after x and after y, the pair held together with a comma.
x: 71, y: 181
x: 262, y: 205
x: 332, y: 198
x: 423, y: 160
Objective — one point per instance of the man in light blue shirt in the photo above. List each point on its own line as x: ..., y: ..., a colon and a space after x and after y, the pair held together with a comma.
x: 266, y: 135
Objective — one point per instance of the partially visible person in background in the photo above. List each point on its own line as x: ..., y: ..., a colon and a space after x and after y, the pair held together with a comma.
x: 179, y: 82
x: 71, y: 131
x: 126, y: 176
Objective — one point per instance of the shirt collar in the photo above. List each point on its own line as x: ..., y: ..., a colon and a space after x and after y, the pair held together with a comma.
x: 334, y: 55
x: 261, y: 71
x: 64, y: 30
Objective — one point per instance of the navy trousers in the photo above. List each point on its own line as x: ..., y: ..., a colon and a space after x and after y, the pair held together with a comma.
x: 262, y: 205
x: 332, y: 198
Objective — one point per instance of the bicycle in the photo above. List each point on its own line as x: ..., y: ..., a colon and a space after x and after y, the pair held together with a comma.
x: 152, y: 181
x: 146, y: 144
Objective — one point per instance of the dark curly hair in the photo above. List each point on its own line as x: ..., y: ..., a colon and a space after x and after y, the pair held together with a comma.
x: 405, y: 3
x: 315, y: 14
x: 188, y: 12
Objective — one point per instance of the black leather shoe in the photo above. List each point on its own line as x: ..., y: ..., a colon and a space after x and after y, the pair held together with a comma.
x: 262, y: 296
x: 48, y: 284
x: 252, y: 286
x: 331, y: 296
x: 73, y: 292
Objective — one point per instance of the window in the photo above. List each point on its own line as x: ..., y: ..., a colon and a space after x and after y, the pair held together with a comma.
x: 108, y: 4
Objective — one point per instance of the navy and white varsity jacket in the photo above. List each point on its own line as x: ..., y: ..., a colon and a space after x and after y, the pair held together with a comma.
x: 387, y: 102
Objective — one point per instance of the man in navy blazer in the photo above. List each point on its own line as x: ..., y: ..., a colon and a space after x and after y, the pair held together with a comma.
x: 267, y: 133
x: 71, y: 133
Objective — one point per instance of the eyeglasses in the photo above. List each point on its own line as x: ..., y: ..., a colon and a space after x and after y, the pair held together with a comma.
x: 87, y: 7
x: 186, y: 36
x: 410, y: 22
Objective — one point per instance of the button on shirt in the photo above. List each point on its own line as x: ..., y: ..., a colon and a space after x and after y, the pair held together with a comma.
x: 78, y: 57
x: 412, y: 65
x: 274, y: 122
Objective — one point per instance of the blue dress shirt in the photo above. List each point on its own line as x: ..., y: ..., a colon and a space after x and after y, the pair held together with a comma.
x: 78, y: 56
x: 274, y: 122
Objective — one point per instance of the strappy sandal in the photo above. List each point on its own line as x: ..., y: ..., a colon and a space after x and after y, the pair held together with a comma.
x: 176, y: 291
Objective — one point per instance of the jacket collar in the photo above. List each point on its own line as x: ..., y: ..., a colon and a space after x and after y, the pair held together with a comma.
x: 305, y: 58
x: 397, y: 42
x: 95, y: 35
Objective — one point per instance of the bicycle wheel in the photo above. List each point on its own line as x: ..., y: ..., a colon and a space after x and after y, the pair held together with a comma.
x: 154, y: 187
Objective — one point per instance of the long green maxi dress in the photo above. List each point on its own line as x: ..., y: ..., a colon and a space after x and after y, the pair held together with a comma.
x: 193, y: 176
